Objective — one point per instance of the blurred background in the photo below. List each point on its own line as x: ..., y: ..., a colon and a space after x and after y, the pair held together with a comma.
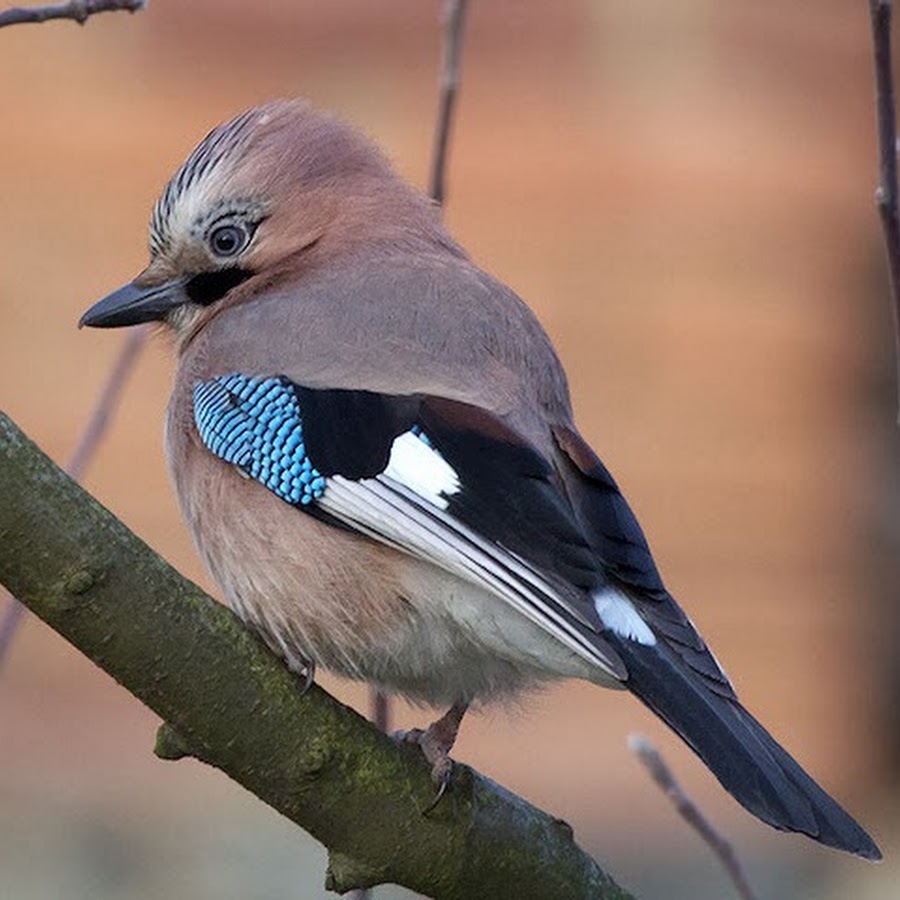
x: 683, y: 193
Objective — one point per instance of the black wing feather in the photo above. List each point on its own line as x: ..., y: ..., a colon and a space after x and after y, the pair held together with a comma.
x: 350, y: 433
x: 509, y: 492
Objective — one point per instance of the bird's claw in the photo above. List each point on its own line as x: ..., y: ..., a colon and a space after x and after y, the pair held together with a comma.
x: 436, y: 751
x: 443, y: 784
x: 436, y: 742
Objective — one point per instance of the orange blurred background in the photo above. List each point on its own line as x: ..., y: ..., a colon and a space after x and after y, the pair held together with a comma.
x: 683, y: 193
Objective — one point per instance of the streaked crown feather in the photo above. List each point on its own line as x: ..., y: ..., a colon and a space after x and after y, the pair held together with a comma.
x: 284, y: 140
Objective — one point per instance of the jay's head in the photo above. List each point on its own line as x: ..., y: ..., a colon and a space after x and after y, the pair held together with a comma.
x: 265, y: 196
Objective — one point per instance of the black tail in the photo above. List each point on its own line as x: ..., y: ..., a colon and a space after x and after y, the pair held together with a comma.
x: 752, y: 766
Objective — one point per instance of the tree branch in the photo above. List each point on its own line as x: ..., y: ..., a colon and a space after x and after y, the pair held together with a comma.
x: 77, y: 10
x: 231, y: 703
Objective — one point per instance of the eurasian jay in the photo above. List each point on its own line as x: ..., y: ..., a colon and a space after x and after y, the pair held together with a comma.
x: 372, y: 444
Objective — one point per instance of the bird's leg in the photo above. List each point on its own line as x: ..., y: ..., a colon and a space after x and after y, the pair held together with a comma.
x: 436, y: 742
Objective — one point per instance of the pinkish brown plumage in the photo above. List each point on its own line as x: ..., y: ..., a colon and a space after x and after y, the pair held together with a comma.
x: 372, y: 443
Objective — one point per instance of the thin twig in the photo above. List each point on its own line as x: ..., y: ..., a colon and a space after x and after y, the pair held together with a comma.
x: 454, y: 19
x: 77, y: 10
x: 107, y: 401
x: 87, y: 445
x: 886, y: 192
x: 653, y: 762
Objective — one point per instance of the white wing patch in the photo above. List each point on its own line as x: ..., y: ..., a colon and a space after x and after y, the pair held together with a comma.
x: 618, y: 614
x: 416, y: 465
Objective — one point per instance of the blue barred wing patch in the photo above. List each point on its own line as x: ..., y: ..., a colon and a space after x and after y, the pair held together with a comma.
x: 255, y: 424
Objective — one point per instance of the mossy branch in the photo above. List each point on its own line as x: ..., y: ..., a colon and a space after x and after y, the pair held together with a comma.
x: 229, y: 702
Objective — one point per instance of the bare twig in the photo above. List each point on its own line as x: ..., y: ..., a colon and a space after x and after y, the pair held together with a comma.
x: 77, y: 10
x: 454, y: 19
x: 83, y: 453
x: 886, y: 193
x: 106, y: 402
x: 653, y: 762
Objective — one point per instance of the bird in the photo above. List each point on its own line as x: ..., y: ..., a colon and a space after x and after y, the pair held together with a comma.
x: 373, y: 446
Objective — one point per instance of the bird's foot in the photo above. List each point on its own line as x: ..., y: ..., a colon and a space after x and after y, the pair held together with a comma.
x: 436, y: 741
x: 437, y: 752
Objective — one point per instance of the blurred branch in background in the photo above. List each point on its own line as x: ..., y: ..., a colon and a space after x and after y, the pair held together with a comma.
x: 77, y: 10
x: 87, y: 445
x: 454, y: 17
x: 230, y: 702
x: 663, y: 776
x: 886, y: 193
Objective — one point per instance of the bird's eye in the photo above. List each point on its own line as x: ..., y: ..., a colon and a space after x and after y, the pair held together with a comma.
x: 228, y: 240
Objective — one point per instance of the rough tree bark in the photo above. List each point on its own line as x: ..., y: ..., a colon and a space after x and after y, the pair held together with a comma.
x: 229, y: 702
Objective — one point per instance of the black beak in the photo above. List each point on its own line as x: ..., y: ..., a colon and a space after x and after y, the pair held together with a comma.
x: 132, y: 304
